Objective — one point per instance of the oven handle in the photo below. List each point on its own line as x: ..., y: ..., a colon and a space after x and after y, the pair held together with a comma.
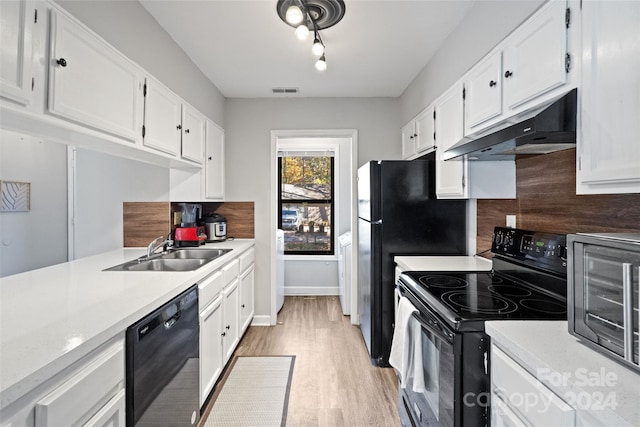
x: 428, y: 319
x: 627, y: 304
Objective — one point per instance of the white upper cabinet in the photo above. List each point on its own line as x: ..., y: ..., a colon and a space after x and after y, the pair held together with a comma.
x: 530, y: 67
x: 16, y: 20
x: 90, y: 82
x: 534, y: 59
x: 608, y: 153
x: 461, y: 178
x: 162, y: 118
x: 418, y: 135
x: 450, y: 175
x: 214, y: 162
x: 483, y: 92
x: 193, y: 134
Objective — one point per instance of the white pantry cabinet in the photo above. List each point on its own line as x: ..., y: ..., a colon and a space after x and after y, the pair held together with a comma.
x: 90, y: 392
x: 608, y: 152
x: 16, y: 20
x: 418, y: 136
x: 461, y: 178
x: 528, y: 68
x: 214, y: 163
x: 90, y: 82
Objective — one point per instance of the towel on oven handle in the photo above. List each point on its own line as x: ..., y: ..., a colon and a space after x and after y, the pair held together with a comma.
x: 406, y: 346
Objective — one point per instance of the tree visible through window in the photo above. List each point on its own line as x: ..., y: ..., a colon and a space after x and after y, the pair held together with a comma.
x: 305, y: 203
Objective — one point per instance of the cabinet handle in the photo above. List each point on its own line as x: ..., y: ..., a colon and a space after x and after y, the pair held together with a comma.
x: 508, y: 74
x: 224, y: 334
x: 179, y: 127
x: 242, y: 305
x: 186, y: 131
x: 492, y: 83
x: 228, y: 327
x: 415, y: 135
x: 627, y: 304
x: 62, y: 62
x: 210, y: 158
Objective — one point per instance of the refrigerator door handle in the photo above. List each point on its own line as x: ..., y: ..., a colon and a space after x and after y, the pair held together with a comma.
x: 378, y: 222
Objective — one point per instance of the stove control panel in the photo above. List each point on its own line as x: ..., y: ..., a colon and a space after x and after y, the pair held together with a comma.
x: 536, y: 246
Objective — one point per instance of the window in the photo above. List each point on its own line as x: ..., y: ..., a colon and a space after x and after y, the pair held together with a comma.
x: 305, y: 202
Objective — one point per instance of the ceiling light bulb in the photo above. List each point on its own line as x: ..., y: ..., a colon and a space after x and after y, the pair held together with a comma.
x: 318, y: 48
x: 294, y: 15
x: 302, y: 32
x: 321, y: 64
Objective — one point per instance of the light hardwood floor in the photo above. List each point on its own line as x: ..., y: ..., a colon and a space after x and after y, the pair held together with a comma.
x: 334, y: 383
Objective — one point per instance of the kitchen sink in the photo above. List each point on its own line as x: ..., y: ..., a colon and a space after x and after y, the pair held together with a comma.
x: 172, y: 260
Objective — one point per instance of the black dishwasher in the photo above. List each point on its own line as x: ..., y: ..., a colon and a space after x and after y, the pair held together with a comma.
x: 163, y: 371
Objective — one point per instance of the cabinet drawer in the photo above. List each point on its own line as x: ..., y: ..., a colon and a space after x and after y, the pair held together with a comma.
x: 231, y: 271
x: 246, y: 259
x: 525, y: 395
x: 85, y: 392
x: 210, y: 287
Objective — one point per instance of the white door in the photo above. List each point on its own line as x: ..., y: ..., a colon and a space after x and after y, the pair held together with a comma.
x: 450, y: 174
x: 16, y: 20
x: 162, y: 118
x: 408, y: 132
x: 193, y: 134
x: 214, y: 162
x: 608, y: 148
x: 534, y: 60
x: 425, y: 139
x: 211, y: 327
x: 90, y: 82
x: 483, y: 93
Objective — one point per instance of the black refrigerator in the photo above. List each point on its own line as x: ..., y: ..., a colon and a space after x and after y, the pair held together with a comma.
x: 398, y: 214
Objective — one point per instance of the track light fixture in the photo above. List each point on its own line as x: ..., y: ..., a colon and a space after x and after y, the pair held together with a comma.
x: 312, y: 15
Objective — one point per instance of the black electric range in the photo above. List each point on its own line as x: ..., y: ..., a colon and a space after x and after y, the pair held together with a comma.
x: 528, y: 281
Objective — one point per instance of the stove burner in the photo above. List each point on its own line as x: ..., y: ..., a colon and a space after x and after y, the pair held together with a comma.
x: 443, y: 281
x: 544, y: 306
x: 509, y: 290
x: 478, y: 302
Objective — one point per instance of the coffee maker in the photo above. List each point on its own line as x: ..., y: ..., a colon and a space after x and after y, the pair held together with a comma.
x: 188, y: 233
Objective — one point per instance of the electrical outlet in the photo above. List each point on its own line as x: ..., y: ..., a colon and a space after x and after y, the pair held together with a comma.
x: 511, y: 221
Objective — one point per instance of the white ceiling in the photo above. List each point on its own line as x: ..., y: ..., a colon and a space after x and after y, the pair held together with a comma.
x: 244, y: 48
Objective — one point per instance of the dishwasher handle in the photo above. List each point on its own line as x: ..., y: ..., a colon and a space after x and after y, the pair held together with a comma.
x: 168, y: 324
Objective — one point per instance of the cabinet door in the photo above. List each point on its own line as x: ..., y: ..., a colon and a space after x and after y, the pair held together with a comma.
x: 90, y: 82
x: 408, y: 132
x: 193, y: 134
x: 16, y: 19
x: 214, y: 163
x: 211, y: 342
x: 111, y: 415
x: 483, y: 92
x: 425, y: 136
x: 450, y: 174
x: 246, y: 298
x: 162, y: 118
x: 608, y: 149
x: 231, y: 318
x: 534, y: 59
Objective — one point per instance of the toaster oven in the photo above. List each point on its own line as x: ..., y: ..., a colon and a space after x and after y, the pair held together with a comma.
x: 603, y: 298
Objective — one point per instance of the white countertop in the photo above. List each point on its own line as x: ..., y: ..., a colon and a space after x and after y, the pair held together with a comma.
x: 550, y: 353
x: 53, y: 316
x: 443, y: 263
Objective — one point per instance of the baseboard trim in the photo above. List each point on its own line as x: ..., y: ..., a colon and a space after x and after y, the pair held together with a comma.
x: 311, y: 290
x: 263, y: 320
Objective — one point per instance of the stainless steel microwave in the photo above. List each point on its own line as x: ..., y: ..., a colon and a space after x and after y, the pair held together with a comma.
x: 603, y: 298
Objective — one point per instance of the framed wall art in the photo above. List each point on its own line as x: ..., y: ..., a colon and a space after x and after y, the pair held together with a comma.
x: 15, y: 196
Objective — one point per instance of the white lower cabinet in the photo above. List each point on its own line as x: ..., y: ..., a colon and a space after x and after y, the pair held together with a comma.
x: 246, y: 298
x: 211, y: 325
x: 89, y: 392
x: 519, y: 399
x: 230, y: 333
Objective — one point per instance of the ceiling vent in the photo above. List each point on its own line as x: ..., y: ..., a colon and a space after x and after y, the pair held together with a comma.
x: 285, y: 90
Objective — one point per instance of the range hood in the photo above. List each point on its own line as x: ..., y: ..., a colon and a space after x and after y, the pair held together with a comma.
x: 544, y: 131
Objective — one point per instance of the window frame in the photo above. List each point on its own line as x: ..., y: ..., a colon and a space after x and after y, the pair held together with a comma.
x: 332, y: 202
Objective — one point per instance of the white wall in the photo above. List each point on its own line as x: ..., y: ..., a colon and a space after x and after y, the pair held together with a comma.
x: 249, y: 123
x: 103, y: 183
x: 36, y: 238
x: 486, y: 24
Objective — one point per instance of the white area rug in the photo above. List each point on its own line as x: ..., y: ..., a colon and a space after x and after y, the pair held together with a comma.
x: 256, y: 393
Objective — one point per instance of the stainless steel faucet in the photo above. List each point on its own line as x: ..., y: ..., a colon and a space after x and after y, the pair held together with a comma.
x: 157, y: 243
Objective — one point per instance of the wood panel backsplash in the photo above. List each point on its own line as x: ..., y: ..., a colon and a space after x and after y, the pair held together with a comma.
x: 546, y: 200
x: 144, y: 221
